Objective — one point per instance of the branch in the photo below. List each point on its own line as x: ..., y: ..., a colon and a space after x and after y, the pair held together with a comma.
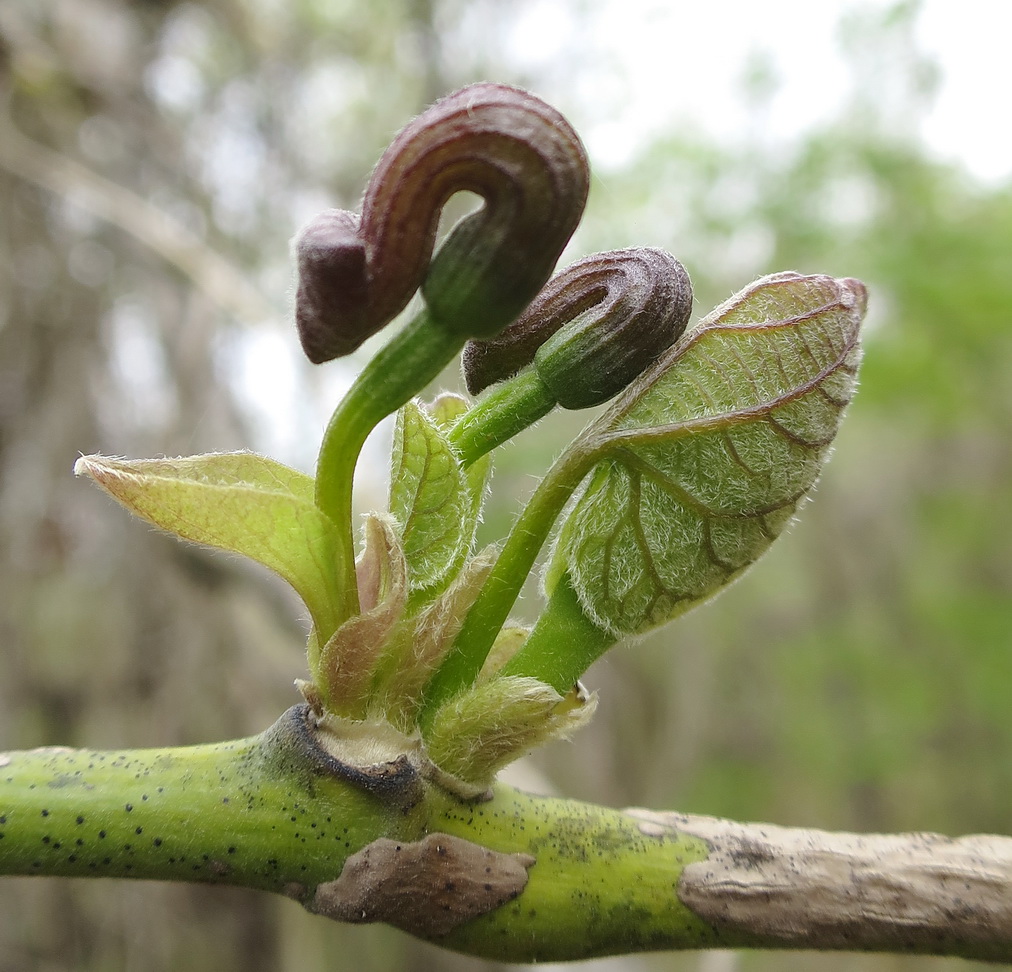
x: 777, y: 887
x: 356, y: 835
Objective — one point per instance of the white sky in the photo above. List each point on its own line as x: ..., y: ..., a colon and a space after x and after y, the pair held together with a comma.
x: 683, y: 63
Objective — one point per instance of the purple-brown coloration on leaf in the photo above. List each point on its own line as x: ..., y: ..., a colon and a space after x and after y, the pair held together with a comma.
x: 595, y: 326
x: 518, y: 153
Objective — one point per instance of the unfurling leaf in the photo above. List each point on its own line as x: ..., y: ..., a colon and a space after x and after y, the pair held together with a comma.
x: 434, y: 502
x: 446, y: 409
x: 489, y: 726
x: 344, y: 670
x: 422, y: 640
x: 706, y: 457
x: 235, y: 501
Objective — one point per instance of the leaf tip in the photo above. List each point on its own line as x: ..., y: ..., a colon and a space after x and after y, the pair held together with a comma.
x: 855, y: 294
x: 96, y: 467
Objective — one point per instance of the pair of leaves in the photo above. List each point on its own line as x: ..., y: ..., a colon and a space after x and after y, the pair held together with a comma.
x: 704, y: 459
x: 416, y: 575
x: 378, y: 663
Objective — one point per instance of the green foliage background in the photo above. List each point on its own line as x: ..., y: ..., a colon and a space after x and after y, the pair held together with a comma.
x: 858, y: 678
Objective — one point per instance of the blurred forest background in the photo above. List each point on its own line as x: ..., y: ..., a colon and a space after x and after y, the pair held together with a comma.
x: 155, y: 159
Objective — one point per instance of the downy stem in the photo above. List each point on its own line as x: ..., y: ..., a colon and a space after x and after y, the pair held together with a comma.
x: 563, y: 644
x: 502, y: 587
x: 267, y: 812
x: 279, y: 812
x: 503, y: 411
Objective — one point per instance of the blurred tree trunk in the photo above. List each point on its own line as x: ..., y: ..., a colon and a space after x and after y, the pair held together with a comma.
x: 116, y: 313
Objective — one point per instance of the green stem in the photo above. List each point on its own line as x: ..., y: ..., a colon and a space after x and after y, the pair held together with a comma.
x: 599, y: 885
x: 563, y: 644
x: 414, y: 357
x: 280, y: 812
x: 506, y: 409
x: 503, y: 584
x: 265, y: 812
x: 275, y: 812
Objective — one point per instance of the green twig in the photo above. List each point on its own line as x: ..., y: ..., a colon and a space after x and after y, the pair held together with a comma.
x: 502, y: 412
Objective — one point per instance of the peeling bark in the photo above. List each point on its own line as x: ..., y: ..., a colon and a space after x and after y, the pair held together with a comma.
x: 798, y: 888
x: 426, y: 888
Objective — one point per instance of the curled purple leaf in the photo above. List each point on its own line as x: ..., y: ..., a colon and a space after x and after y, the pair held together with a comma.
x: 595, y: 327
x: 506, y: 145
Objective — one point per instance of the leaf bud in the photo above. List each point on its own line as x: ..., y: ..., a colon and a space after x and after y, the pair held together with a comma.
x: 506, y: 145
x: 595, y: 327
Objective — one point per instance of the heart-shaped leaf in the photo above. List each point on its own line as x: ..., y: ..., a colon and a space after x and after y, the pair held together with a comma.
x: 235, y: 501
x: 706, y: 457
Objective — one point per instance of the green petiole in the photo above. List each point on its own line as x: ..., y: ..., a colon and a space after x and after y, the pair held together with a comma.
x: 502, y: 587
x: 563, y: 644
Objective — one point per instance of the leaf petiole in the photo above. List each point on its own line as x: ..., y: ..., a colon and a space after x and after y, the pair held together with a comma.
x: 491, y: 608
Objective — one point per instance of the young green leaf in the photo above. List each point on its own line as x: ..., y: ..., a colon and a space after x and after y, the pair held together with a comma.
x: 434, y: 502
x: 235, y: 501
x: 706, y: 457
x: 446, y: 410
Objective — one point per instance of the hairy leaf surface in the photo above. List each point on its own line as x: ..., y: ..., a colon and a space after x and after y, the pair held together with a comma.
x: 434, y: 502
x: 705, y: 459
x: 235, y: 501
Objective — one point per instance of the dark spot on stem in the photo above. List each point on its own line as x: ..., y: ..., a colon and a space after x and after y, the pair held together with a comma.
x: 426, y: 888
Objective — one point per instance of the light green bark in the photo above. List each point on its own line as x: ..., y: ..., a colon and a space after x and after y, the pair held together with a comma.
x: 278, y: 813
x: 509, y: 876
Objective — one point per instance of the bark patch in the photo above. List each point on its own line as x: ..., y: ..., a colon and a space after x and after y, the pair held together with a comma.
x: 426, y: 888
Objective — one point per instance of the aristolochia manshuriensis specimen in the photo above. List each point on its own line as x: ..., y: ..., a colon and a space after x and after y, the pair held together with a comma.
x: 420, y: 686
x: 714, y: 437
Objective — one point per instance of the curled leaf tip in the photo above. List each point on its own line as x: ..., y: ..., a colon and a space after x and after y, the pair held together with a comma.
x: 594, y: 327
x: 502, y: 143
